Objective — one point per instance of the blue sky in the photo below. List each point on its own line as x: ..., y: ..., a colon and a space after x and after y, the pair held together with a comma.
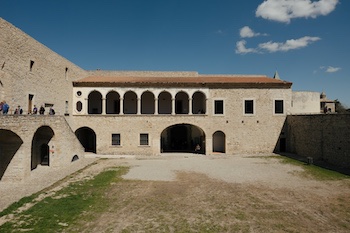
x: 306, y: 41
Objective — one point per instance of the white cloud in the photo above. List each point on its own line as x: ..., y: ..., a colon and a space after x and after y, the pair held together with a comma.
x: 288, y: 45
x: 247, y: 32
x: 330, y: 69
x: 241, y: 49
x: 285, y: 10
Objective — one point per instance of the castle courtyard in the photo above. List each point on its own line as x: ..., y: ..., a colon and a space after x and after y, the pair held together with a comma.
x: 255, y: 193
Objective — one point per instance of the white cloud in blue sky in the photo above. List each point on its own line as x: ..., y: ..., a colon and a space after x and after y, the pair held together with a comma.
x: 285, y: 10
x: 247, y: 32
x: 330, y: 69
x: 288, y: 45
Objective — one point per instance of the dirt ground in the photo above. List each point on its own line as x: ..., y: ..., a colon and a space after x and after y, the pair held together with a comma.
x: 216, y: 194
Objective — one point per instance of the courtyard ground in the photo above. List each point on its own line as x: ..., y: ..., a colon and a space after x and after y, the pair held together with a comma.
x: 196, y: 193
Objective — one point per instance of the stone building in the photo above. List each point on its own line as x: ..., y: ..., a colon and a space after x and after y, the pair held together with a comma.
x: 139, y: 113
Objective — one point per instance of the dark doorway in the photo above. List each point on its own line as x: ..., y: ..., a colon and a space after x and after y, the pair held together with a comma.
x: 87, y: 138
x: 182, y: 138
x: 45, y: 152
x: 40, y: 146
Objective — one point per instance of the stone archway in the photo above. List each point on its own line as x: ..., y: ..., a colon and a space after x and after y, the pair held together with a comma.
x: 40, y: 147
x: 182, y: 138
x: 10, y: 142
x: 219, y: 142
x: 87, y: 138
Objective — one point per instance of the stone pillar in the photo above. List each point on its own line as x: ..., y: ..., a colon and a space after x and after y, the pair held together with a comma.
x: 156, y: 106
x: 121, y: 106
x: 103, y: 106
x: 173, y: 106
x: 190, y: 106
x: 138, y: 106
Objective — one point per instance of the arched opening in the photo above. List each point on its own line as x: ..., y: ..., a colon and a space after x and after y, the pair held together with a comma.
x: 95, y: 103
x: 164, y: 103
x: 147, y: 103
x: 219, y: 142
x: 112, y: 103
x: 198, y: 103
x: 130, y: 103
x: 9, y: 145
x: 79, y: 106
x: 181, y: 103
x: 87, y: 138
x: 40, y: 147
x: 183, y: 138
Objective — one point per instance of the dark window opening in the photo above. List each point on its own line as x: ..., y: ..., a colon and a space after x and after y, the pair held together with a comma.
x: 144, y: 139
x: 31, y: 65
x: 249, y: 107
x: 219, y: 107
x: 279, y: 107
x: 116, y: 139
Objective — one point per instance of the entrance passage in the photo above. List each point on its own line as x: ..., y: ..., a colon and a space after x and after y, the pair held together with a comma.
x: 40, y: 147
x: 9, y: 145
x: 183, y: 138
x: 87, y: 138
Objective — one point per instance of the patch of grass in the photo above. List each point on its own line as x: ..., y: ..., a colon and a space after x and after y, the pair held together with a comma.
x: 59, y: 211
x: 13, y: 207
x: 313, y: 171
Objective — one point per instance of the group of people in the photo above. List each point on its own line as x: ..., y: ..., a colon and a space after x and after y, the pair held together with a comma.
x: 4, y: 108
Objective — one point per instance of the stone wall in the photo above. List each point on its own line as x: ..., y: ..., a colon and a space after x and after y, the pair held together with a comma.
x: 63, y: 145
x: 27, y: 67
x: 324, y: 137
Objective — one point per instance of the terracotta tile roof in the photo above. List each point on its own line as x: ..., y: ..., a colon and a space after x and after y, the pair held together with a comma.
x: 174, y: 81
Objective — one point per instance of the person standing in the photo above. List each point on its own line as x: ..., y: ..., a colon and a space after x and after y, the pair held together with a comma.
x: 5, y: 108
x: 35, y: 110
x: 42, y: 110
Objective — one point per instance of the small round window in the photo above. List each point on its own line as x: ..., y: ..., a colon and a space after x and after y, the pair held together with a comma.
x: 79, y: 106
x: 78, y: 93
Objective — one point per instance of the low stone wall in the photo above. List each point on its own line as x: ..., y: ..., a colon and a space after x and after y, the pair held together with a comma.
x: 324, y: 137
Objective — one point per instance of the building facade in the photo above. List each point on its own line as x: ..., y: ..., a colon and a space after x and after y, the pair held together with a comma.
x: 145, y: 112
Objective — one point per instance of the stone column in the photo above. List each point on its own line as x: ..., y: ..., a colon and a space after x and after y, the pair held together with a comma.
x: 172, y: 106
x: 156, y: 106
x: 103, y: 106
x: 190, y: 106
x: 138, y: 106
x: 86, y: 106
x: 121, y: 106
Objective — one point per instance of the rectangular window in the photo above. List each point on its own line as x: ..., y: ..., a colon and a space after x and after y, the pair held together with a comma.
x: 248, y: 106
x: 116, y: 139
x: 218, y: 107
x: 144, y: 139
x: 279, y: 108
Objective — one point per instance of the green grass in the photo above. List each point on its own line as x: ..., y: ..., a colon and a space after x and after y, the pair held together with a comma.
x: 56, y: 212
x: 313, y: 171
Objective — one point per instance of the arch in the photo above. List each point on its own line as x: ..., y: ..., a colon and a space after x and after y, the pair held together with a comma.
x: 130, y: 103
x: 87, y: 138
x: 181, y: 103
x: 219, y: 142
x: 95, y: 103
x: 40, y: 153
x: 147, y: 103
x: 199, y: 103
x: 112, y: 103
x: 164, y: 103
x: 10, y: 142
x: 182, y: 138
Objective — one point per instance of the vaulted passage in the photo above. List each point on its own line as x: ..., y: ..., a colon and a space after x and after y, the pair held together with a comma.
x: 219, y: 142
x: 40, y: 147
x: 87, y: 138
x: 9, y: 144
x: 183, y: 138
